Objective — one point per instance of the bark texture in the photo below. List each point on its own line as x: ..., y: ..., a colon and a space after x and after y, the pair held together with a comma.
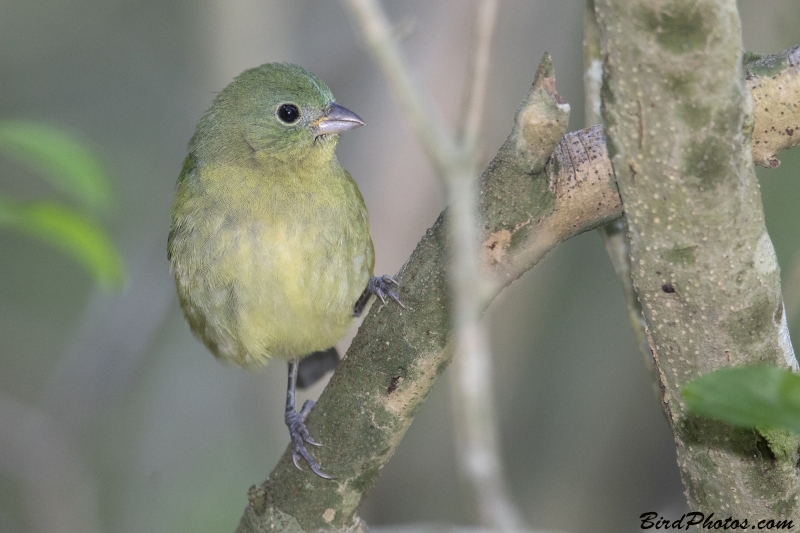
x: 774, y: 82
x: 679, y: 119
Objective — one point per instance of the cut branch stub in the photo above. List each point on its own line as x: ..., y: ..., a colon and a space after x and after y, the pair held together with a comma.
x: 541, y: 119
x: 576, y: 192
x: 774, y: 83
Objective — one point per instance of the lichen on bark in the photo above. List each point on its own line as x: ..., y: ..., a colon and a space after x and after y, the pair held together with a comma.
x: 679, y: 120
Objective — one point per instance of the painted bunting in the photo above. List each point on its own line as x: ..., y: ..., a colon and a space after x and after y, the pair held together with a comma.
x: 270, y: 242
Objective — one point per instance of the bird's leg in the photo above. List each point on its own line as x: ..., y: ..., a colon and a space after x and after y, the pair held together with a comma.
x: 296, y: 422
x: 380, y: 286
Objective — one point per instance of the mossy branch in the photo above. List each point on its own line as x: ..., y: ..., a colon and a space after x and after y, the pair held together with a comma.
x: 558, y: 191
x: 397, y: 355
x: 679, y: 119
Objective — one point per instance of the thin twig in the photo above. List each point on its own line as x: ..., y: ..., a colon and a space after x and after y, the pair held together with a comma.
x: 478, y: 75
x: 377, y: 32
x: 456, y: 165
x: 473, y: 403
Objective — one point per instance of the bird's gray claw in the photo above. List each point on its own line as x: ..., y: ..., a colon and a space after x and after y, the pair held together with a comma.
x: 381, y: 286
x: 312, y: 464
x: 393, y: 296
x: 299, y: 435
x: 295, y: 455
x: 320, y: 473
x: 310, y: 440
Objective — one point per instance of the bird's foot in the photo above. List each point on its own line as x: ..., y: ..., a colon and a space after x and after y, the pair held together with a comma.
x: 380, y: 286
x: 296, y: 422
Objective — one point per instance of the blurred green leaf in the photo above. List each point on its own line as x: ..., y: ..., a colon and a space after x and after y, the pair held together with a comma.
x: 77, y: 235
x: 754, y: 396
x: 58, y: 157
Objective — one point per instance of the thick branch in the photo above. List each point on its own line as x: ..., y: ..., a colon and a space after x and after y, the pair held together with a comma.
x: 678, y: 120
x: 397, y: 355
x: 774, y: 85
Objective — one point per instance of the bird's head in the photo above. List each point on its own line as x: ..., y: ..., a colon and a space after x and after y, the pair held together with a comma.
x: 280, y: 113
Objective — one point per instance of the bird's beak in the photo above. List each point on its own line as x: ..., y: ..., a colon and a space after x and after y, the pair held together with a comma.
x: 337, y: 119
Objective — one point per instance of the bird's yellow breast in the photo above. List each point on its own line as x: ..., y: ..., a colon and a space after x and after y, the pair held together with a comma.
x: 269, y: 264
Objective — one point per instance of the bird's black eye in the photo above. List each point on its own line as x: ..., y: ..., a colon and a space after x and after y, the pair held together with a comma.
x: 288, y: 113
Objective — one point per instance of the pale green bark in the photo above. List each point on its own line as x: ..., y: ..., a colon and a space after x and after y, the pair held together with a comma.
x: 679, y: 117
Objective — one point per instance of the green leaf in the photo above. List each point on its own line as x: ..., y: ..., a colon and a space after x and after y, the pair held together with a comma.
x: 755, y: 396
x: 77, y: 235
x: 58, y: 157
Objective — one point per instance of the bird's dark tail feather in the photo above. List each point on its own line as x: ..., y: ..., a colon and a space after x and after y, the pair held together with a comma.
x: 314, y: 366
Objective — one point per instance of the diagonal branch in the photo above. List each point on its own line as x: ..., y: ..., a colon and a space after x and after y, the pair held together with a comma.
x: 398, y: 355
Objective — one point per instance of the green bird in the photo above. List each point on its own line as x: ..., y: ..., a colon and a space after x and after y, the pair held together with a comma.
x: 270, y: 242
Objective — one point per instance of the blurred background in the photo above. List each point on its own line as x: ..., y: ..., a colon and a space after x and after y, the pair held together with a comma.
x: 114, y: 418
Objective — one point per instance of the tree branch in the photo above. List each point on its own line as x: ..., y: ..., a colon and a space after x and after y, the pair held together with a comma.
x: 397, y: 355
x: 427, y: 125
x: 615, y: 234
x: 478, y: 75
x: 774, y: 83
x: 679, y: 119
x: 473, y: 404
x: 476, y: 432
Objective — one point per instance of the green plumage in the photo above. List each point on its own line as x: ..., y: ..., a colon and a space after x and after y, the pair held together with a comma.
x: 270, y: 240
